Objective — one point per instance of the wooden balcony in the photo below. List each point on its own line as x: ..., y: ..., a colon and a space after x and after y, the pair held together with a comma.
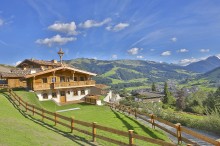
x: 63, y: 85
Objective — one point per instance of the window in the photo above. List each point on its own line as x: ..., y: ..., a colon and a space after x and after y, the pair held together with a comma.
x: 68, y: 79
x: 82, y: 78
x: 44, y: 80
x: 62, y: 93
x: 62, y: 79
x: 82, y: 92
x: 54, y: 95
x: 75, y: 78
x: 75, y: 93
x: 45, y: 96
x: 53, y: 80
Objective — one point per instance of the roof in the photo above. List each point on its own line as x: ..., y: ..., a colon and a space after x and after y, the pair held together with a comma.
x: 4, y: 68
x: 17, y: 73
x: 59, y: 68
x: 40, y: 62
x: 10, y: 75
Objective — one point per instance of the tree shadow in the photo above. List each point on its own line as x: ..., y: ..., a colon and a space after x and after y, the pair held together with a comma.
x: 68, y: 135
x: 130, y: 127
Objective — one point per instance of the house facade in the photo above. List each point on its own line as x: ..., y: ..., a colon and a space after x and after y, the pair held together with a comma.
x: 61, y: 84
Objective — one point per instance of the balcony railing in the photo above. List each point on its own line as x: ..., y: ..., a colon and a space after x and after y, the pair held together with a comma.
x: 60, y: 85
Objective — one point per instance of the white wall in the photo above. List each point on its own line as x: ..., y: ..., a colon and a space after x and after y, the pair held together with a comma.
x: 40, y: 95
x: 69, y: 97
x: 108, y: 97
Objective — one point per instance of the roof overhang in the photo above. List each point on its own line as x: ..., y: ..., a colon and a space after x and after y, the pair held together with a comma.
x: 60, y: 68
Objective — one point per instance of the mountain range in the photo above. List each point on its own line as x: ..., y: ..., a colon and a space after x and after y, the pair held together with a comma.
x: 204, y: 66
x: 133, y: 73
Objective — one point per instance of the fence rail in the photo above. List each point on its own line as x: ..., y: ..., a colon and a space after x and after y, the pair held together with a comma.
x: 70, y: 123
x: 178, y: 127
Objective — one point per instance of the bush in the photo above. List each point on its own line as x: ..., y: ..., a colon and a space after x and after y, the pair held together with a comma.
x: 211, y: 122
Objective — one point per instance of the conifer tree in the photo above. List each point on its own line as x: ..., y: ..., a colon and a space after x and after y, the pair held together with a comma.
x: 180, y: 102
x: 153, y: 88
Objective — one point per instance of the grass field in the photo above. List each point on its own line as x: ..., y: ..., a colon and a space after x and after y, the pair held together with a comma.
x: 103, y: 115
x: 20, y: 130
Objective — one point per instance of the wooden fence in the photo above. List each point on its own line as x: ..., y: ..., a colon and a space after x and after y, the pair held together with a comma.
x: 70, y: 123
x: 178, y: 127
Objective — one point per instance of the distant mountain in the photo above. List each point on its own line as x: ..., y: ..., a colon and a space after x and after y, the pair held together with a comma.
x: 204, y: 66
x: 213, y: 75
x: 129, y: 73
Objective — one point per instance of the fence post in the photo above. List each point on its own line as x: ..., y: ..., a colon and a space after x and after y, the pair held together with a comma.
x: 178, y: 132
x: 218, y: 142
x: 55, y: 118
x: 94, y: 131
x: 19, y: 101
x: 33, y: 110
x: 26, y: 106
x: 72, y: 124
x: 42, y: 114
x: 131, y: 139
x: 152, y: 120
x: 135, y: 112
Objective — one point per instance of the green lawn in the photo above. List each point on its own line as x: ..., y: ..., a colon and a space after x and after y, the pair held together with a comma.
x: 19, y: 130
x: 103, y: 115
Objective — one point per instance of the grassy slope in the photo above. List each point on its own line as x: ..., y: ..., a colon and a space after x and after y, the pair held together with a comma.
x: 100, y: 114
x: 18, y: 130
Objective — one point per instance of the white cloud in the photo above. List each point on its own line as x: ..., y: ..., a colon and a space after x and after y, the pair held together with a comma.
x: 152, y: 50
x: 188, y: 61
x: 57, y: 39
x: 218, y: 55
x: 183, y: 50
x: 174, y: 39
x: 166, y: 53
x: 140, y: 57
x: 114, y: 56
x: 117, y: 27
x: 93, y: 23
x: 69, y: 28
x: 18, y: 62
x: 1, y: 22
x: 134, y: 51
x: 204, y: 50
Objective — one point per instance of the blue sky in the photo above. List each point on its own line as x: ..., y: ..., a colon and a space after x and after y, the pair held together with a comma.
x: 173, y: 31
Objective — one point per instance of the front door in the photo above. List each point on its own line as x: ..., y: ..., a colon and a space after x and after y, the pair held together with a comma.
x: 62, y: 96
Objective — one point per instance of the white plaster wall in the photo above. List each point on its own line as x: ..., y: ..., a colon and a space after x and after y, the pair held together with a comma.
x: 108, y: 97
x: 40, y: 96
x: 71, y: 97
x: 98, y: 102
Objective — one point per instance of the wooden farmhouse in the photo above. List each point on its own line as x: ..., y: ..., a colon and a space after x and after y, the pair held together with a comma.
x: 51, y: 80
